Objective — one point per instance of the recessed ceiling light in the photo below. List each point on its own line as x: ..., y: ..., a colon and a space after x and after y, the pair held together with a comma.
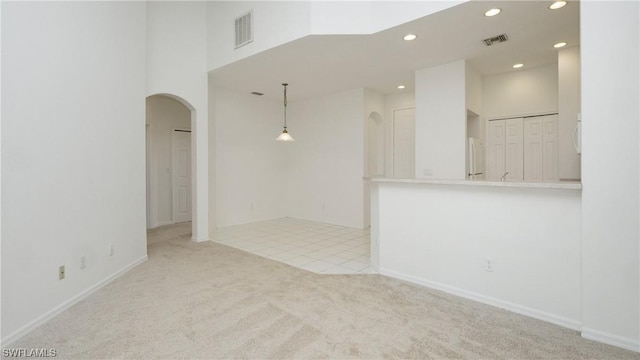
x: 557, y: 5
x: 401, y: 87
x: 560, y: 44
x: 492, y: 12
x: 518, y: 66
x: 410, y: 37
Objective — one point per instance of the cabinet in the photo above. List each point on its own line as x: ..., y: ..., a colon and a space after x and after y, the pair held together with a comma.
x: 525, y: 147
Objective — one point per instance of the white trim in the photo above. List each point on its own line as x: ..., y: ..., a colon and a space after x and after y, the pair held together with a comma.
x: 69, y: 303
x: 520, y: 309
x: 517, y: 116
x: 147, y: 174
x: 161, y: 223
x: 153, y: 178
x: 611, y: 339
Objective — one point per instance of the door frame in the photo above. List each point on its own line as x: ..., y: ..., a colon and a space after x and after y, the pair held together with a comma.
x: 147, y: 154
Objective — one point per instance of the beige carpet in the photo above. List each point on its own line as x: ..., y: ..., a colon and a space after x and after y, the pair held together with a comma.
x: 205, y: 300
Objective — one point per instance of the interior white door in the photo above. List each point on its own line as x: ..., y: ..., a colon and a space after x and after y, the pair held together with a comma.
x: 514, y: 150
x: 550, y: 156
x: 404, y: 148
x: 533, y: 149
x: 181, y: 176
x: 495, y: 149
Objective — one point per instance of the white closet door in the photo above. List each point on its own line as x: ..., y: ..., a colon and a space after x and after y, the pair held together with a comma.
x: 550, y: 147
x: 533, y: 149
x: 495, y: 149
x: 514, y: 150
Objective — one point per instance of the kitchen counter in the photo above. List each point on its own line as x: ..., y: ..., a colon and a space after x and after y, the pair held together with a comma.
x: 568, y: 185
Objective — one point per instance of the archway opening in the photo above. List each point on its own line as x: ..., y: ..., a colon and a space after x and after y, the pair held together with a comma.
x: 170, y: 165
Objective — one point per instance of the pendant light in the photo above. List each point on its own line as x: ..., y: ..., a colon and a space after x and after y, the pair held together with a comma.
x: 285, y: 135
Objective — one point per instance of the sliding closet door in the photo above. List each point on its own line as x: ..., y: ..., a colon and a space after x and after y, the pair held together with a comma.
x: 514, y: 150
x: 495, y: 149
x: 533, y: 149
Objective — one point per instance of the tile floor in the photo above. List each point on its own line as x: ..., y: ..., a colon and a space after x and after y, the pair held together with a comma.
x: 308, y: 245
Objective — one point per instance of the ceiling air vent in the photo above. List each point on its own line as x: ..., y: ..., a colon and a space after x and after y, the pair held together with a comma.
x: 496, y: 39
x: 244, y: 29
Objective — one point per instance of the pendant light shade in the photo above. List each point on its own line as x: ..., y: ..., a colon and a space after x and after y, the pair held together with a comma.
x: 285, y: 134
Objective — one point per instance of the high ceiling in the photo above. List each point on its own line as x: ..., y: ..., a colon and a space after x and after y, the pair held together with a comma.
x: 323, y: 64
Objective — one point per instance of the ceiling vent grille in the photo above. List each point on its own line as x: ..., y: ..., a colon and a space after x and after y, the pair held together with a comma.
x: 496, y: 39
x: 244, y: 29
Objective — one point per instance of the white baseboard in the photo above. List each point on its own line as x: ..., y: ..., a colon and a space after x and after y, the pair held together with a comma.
x: 520, y: 309
x: 611, y: 339
x: 194, y: 239
x: 160, y: 223
x: 67, y: 304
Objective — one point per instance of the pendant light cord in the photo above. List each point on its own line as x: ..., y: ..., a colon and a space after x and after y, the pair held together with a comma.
x: 285, y: 106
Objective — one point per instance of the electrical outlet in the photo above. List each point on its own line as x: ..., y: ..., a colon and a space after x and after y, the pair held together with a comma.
x: 488, y: 265
x: 83, y: 262
x: 111, y: 250
x: 61, y: 272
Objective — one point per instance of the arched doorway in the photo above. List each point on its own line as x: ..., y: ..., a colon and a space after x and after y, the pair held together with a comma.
x: 170, y: 161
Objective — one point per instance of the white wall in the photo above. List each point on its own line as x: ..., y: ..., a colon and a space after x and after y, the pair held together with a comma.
x: 176, y: 64
x: 325, y: 163
x: 441, y: 120
x: 340, y: 17
x: 367, y: 17
x: 1, y: 337
x: 473, y: 90
x: 442, y: 235
x: 610, y: 162
x: 73, y: 153
x: 521, y: 92
x: 163, y: 114
x: 569, y: 107
x: 387, y: 14
x: 274, y: 23
x: 374, y: 129
x: 397, y: 101
x: 213, y: 225
x: 250, y: 164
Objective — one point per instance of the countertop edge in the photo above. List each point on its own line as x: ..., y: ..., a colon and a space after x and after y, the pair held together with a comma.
x: 510, y: 184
